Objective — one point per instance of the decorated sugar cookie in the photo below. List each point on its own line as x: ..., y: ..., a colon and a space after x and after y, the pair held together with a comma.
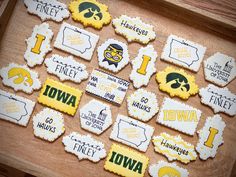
x: 48, y: 124
x: 164, y: 169
x: 47, y: 9
x: 60, y: 96
x: 20, y: 78
x: 210, y: 137
x: 95, y: 116
x: 179, y: 116
x: 142, y: 105
x: 90, y: 13
x: 183, y: 52
x: 76, y: 41
x: 15, y: 108
x: 113, y: 55
x: 66, y: 68
x: 220, y: 69
x: 38, y: 45
x: 84, y: 147
x: 132, y: 132
x: 119, y: 157
x: 143, y: 66
x: 177, y: 83
x: 219, y: 99
x: 174, y: 148
x: 108, y: 87
x: 134, y: 29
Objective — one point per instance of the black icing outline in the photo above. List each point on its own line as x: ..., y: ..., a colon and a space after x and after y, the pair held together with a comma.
x: 227, y: 98
x: 97, y: 147
x: 66, y: 65
x: 47, y: 4
x: 184, y: 43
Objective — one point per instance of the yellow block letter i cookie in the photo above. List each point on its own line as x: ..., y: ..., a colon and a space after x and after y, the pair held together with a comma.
x: 90, y: 13
x: 60, y: 96
x: 177, y: 83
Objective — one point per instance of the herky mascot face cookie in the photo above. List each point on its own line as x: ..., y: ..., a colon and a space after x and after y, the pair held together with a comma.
x: 113, y: 55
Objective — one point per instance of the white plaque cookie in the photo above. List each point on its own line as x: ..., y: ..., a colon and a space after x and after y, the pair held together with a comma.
x: 142, y: 105
x: 219, y: 99
x: 15, y: 109
x: 66, y: 68
x: 113, y: 55
x: 183, y: 52
x: 134, y: 29
x: 38, y: 44
x: 20, y: 77
x: 210, y: 137
x: 220, y: 69
x: 47, y: 9
x: 143, y: 66
x: 174, y: 148
x: 76, y: 41
x: 95, y: 116
x: 48, y: 124
x: 84, y: 147
x: 132, y: 132
x: 179, y: 116
x: 164, y: 169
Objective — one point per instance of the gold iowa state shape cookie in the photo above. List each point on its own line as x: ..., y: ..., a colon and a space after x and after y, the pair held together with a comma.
x: 90, y: 13
x: 60, y: 96
x: 177, y: 83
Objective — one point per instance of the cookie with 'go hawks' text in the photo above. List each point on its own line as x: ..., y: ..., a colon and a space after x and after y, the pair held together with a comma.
x: 143, y: 66
x: 113, y: 55
x: 48, y: 124
x: 38, y: 45
x: 142, y: 105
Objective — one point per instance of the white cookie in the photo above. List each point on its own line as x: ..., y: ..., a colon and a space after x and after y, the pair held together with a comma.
x: 179, y: 116
x: 142, y: 105
x: 66, y: 68
x: 143, y: 66
x: 47, y: 9
x: 20, y: 77
x: 38, y: 44
x: 95, y: 116
x: 164, y: 169
x: 219, y: 99
x: 48, y: 124
x: 76, y: 41
x: 220, y: 69
x: 132, y: 132
x: 183, y: 52
x: 134, y: 29
x: 210, y: 137
x: 84, y: 147
x: 15, y: 109
x: 113, y: 55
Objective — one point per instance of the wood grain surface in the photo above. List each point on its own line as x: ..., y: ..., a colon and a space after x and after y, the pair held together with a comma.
x: 21, y: 149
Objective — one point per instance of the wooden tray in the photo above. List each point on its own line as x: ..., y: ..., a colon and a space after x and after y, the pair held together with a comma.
x: 20, y: 149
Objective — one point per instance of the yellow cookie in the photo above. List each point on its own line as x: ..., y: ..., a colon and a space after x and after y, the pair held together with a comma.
x: 177, y: 83
x: 90, y: 13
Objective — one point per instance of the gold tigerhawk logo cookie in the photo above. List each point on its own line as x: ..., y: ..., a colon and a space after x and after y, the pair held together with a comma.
x: 90, y: 13
x: 177, y: 83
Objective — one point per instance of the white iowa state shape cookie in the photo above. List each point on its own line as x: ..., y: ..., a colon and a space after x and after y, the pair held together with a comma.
x: 66, y: 68
x: 38, y: 45
x: 183, y: 52
x: 219, y: 99
x: 84, y: 147
x: 20, y: 77
x: 143, y: 66
x: 95, y: 116
x: 113, y: 55
x: 48, y: 124
x: 47, y: 9
x: 220, y: 69
x: 142, y: 105
x: 210, y: 137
